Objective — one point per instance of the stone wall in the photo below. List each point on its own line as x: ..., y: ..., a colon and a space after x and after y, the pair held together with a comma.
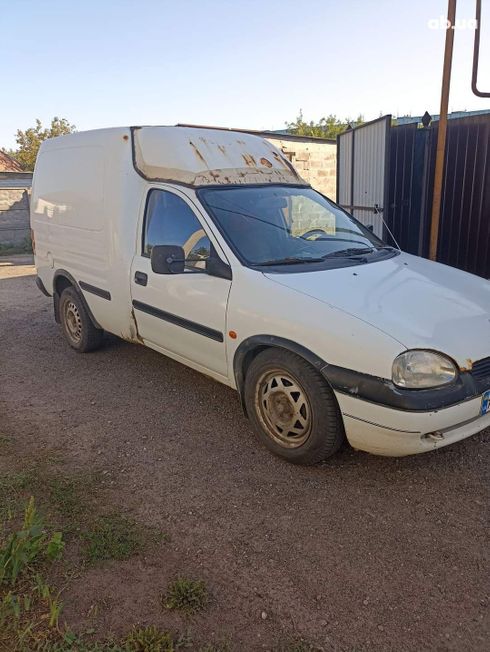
x: 316, y: 162
x: 15, y: 190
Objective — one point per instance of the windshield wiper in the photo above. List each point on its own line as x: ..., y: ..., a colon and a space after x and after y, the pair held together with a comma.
x: 350, y: 252
x: 288, y: 261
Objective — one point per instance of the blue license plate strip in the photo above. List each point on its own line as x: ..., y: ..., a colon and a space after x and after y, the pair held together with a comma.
x: 485, y: 403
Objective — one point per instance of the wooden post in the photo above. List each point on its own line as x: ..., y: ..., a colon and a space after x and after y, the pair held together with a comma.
x: 442, y: 130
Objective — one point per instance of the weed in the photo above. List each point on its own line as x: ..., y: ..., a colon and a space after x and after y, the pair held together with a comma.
x: 65, y: 494
x: 29, y: 610
x: 28, y: 545
x: 113, y: 537
x: 189, y: 596
x: 12, y: 488
x: 149, y: 639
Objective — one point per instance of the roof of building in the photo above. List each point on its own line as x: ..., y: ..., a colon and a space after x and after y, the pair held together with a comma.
x: 8, y: 164
x: 454, y: 115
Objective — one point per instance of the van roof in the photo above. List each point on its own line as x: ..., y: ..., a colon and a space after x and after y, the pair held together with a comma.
x: 201, y: 157
x: 195, y: 156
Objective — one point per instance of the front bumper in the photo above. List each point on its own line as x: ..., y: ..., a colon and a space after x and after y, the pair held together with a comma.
x: 386, y: 431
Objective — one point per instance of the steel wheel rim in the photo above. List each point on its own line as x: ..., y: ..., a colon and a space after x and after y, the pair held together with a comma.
x: 73, y: 321
x: 283, y: 408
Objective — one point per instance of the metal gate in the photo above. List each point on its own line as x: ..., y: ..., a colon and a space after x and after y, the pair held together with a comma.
x: 386, y: 172
x: 412, y: 158
x: 362, y: 172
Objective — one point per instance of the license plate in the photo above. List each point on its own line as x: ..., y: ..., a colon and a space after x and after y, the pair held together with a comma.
x: 485, y: 402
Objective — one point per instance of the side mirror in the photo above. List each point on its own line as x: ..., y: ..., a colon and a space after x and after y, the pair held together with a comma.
x: 167, y: 259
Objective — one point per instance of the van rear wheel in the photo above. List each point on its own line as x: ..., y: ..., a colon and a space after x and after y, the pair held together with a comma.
x: 78, y: 328
x: 292, y: 409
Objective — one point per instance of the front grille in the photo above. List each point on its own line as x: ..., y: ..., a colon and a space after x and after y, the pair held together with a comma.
x: 481, y: 369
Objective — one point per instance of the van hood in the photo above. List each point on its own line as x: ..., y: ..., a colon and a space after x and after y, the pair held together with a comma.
x: 419, y: 303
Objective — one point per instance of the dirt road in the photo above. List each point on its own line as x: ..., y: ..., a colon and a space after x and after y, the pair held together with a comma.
x: 360, y: 553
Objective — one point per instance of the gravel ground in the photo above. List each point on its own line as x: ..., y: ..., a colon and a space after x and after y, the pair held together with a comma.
x: 360, y: 553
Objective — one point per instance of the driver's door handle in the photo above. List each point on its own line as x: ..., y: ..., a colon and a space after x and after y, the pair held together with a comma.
x: 140, y: 278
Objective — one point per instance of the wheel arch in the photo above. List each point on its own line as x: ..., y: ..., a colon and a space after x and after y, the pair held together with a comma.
x: 62, y: 280
x: 252, y: 346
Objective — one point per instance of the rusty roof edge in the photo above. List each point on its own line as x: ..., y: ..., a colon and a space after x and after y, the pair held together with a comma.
x: 264, y: 134
x: 236, y: 176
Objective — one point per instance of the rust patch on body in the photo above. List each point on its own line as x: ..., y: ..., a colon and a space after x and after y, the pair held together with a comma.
x: 266, y: 162
x: 281, y: 159
x: 197, y: 153
x: 468, y: 366
x: 249, y: 160
x: 134, y: 337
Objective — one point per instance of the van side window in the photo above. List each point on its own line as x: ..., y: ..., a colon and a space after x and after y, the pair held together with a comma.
x: 170, y: 221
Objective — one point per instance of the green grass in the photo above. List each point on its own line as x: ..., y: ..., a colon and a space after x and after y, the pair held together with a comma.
x: 139, y: 639
x: 113, y: 537
x: 29, y: 608
x: 188, y: 596
x: 68, y: 495
x: 13, y: 487
x: 22, y: 549
x: 150, y: 639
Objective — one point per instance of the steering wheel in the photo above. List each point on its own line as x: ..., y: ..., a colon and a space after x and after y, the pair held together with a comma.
x: 308, y: 234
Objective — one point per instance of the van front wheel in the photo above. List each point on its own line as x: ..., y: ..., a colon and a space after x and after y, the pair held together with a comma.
x: 293, y: 410
x: 78, y: 328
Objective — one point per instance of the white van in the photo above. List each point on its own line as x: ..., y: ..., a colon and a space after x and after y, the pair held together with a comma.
x: 206, y: 245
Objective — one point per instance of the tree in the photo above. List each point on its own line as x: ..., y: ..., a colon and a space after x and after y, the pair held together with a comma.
x: 30, y: 140
x: 328, y: 127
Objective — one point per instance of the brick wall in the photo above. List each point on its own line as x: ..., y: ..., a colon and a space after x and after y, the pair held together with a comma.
x: 15, y: 190
x: 315, y: 162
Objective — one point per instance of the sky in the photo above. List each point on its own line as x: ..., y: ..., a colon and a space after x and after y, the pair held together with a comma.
x: 234, y: 63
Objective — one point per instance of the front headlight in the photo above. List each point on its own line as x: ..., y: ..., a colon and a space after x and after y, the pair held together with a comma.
x: 423, y: 369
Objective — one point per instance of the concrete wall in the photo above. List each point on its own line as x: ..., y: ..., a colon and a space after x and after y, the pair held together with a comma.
x: 15, y: 190
x: 316, y: 162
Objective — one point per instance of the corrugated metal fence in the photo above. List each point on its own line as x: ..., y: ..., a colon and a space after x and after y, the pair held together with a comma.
x: 361, y: 172
x: 464, y: 236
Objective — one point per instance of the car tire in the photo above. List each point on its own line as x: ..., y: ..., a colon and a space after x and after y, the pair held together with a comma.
x: 78, y: 327
x: 292, y: 408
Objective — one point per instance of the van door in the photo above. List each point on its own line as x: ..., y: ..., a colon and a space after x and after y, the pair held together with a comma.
x: 181, y: 314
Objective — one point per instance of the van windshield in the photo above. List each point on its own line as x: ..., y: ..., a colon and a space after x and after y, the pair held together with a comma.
x: 284, y: 225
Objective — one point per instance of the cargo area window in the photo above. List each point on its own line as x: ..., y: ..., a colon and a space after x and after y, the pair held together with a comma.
x: 170, y: 221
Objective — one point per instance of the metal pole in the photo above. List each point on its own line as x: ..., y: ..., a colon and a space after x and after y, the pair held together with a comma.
x: 476, y: 54
x: 442, y: 130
